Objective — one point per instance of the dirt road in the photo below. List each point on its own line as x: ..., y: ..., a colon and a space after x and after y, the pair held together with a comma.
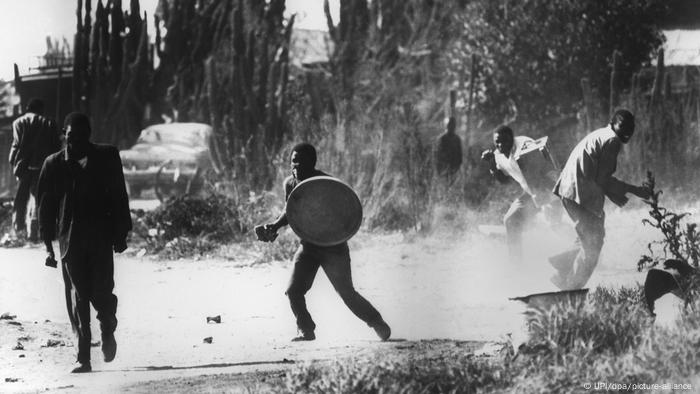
x: 446, y: 286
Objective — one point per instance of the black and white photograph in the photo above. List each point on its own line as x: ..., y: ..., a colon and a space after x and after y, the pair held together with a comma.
x: 349, y: 196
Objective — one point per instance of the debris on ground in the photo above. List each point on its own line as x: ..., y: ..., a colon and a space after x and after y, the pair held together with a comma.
x: 11, y: 241
x: 11, y: 380
x: 208, y: 340
x: 18, y: 346
x: 14, y: 323
x: 7, y: 316
x: 490, y: 349
x: 54, y: 343
x: 95, y: 343
x: 214, y: 319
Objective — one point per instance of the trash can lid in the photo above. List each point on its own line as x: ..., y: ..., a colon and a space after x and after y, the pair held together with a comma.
x: 324, y: 211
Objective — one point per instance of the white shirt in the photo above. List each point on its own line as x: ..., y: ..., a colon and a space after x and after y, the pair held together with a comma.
x: 509, y: 165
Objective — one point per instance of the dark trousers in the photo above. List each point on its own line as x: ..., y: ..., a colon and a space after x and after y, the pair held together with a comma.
x: 88, y: 275
x: 519, y: 215
x: 335, y: 261
x: 590, y: 230
x: 26, y: 186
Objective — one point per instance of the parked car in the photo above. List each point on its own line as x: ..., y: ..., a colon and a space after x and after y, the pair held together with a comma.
x: 171, y: 156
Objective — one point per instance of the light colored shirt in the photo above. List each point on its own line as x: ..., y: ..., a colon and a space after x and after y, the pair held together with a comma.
x: 587, y: 176
x: 509, y: 165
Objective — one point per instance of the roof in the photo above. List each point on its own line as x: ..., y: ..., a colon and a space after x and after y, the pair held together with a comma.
x: 309, y: 47
x: 682, y: 47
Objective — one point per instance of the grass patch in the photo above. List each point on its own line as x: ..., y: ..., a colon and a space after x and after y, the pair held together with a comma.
x: 609, y: 338
x: 399, y: 374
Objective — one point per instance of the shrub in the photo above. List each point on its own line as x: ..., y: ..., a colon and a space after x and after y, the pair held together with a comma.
x: 215, y: 216
x: 681, y: 240
x: 187, y: 225
x: 614, y: 321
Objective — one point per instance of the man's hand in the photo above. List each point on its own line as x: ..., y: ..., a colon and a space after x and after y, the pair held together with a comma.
x: 643, y: 192
x: 120, y: 246
x: 50, y: 256
x: 487, y: 155
x: 267, y: 232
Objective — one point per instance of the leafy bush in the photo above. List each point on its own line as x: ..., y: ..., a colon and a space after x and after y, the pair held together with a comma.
x: 681, y: 240
x: 215, y: 216
x: 187, y: 225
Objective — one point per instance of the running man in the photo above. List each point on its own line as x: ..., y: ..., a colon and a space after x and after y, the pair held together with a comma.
x: 335, y: 261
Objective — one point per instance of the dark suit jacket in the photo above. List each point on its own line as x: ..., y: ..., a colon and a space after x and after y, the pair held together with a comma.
x: 83, y: 207
x: 34, y: 137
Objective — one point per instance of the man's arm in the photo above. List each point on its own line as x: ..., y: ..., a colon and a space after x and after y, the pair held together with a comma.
x: 119, y: 203
x: 282, y: 219
x: 16, y: 137
x: 47, y: 207
x: 615, y: 189
x: 489, y: 157
x: 499, y: 175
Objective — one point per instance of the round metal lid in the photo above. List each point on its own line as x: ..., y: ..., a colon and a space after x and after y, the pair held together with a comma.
x: 324, y: 211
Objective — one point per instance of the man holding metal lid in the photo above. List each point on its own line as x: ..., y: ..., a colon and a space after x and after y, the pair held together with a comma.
x: 335, y: 260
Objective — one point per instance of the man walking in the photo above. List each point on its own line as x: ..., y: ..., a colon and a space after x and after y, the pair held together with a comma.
x: 335, y: 261
x: 34, y: 137
x: 83, y: 203
x: 585, y: 181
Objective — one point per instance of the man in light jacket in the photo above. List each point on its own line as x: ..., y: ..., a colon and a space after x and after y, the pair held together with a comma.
x: 585, y: 181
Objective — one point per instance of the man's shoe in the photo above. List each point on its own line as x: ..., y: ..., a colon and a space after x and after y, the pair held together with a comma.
x: 82, y: 368
x: 109, y: 346
x: 382, y: 329
x: 305, y: 336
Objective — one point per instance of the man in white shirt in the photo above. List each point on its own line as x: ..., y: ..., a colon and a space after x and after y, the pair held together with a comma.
x: 503, y: 165
x: 586, y: 179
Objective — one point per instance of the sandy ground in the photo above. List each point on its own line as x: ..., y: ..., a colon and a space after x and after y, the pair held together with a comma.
x: 446, y: 286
